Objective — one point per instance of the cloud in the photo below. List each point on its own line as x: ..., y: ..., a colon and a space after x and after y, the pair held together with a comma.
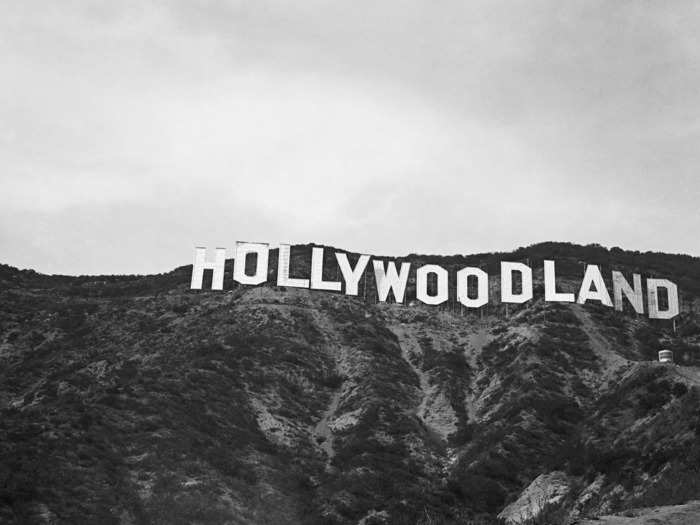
x: 395, y: 127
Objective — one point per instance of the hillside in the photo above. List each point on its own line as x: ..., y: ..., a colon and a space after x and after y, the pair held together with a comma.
x: 134, y: 400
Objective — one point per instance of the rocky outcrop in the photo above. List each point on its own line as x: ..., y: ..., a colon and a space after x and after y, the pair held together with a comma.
x: 546, y: 490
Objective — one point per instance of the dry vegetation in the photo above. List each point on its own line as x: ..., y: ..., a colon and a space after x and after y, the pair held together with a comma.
x: 131, y: 399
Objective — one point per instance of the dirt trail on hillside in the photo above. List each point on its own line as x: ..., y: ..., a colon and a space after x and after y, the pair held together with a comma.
x: 688, y: 514
x: 692, y: 374
x: 434, y: 408
x: 476, y: 341
x: 473, y: 347
x: 322, y: 433
x: 610, y: 360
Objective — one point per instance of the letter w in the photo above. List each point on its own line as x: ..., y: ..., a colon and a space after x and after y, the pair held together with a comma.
x: 390, y: 280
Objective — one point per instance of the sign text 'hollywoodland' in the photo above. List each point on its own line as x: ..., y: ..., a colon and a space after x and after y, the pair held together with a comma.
x: 389, y: 278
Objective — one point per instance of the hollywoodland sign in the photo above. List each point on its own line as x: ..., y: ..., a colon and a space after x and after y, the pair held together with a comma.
x: 389, y: 278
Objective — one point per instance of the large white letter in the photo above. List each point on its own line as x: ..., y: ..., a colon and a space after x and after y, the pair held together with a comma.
x: 507, y: 295
x: 390, y: 280
x: 317, y: 282
x: 201, y: 264
x: 653, y: 286
x: 243, y: 249
x: 463, y: 290
x: 593, y: 277
x: 422, y: 284
x: 283, y: 278
x: 550, y: 286
x: 350, y: 276
x: 635, y: 297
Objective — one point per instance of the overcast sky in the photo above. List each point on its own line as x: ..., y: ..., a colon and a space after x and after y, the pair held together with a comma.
x: 131, y: 132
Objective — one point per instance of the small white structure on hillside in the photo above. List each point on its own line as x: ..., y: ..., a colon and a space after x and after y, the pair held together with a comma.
x: 665, y: 356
